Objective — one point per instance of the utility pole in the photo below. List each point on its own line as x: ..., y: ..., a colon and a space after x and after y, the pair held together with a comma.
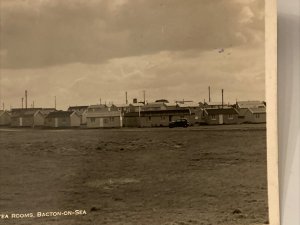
x: 26, y: 98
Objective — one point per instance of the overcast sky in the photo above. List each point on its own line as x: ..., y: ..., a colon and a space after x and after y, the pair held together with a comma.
x: 84, y: 50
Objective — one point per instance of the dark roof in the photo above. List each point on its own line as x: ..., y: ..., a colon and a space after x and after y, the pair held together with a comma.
x: 158, y: 112
x: 221, y: 111
x: 78, y: 107
x: 23, y: 112
x: 59, y: 114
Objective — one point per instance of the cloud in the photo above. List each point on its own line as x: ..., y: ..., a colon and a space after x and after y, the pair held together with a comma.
x: 171, y: 75
x: 43, y: 33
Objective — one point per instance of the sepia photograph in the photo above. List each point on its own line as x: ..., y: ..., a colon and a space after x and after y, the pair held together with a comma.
x: 134, y: 112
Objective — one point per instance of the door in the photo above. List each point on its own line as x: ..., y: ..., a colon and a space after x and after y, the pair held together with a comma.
x: 221, y: 119
x: 101, y: 122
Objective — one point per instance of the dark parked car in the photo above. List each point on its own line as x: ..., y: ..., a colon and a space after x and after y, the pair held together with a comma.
x: 179, y: 123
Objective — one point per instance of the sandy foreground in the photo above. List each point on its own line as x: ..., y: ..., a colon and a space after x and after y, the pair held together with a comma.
x: 205, y: 175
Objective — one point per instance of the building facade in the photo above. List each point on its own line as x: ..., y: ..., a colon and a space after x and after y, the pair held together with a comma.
x: 215, y: 116
x: 103, y: 116
x: 63, y: 119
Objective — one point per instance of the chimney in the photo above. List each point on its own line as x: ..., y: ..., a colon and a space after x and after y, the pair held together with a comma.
x: 22, y: 103
x: 26, y: 99
x: 209, y: 100
x: 54, y: 102
x: 222, y: 98
x: 126, y: 98
x: 144, y: 93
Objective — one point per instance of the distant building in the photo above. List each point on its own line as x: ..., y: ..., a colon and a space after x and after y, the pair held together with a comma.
x: 252, y: 115
x: 30, y: 117
x: 250, y: 104
x: 216, y: 105
x: 251, y: 111
x: 162, y: 100
x: 81, y: 111
x: 154, y: 106
x: 216, y: 116
x: 155, y: 118
x: 63, y: 119
x: 5, y: 119
x: 104, y: 116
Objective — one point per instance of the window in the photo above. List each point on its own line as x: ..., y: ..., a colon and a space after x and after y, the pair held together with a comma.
x: 105, y: 121
x: 149, y: 118
x: 230, y: 116
x: 163, y: 118
x: 112, y: 119
x: 213, y: 117
x: 93, y: 120
x: 256, y: 115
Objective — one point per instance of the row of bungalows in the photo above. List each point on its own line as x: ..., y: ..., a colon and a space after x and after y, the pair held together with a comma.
x: 251, y: 111
x: 241, y: 112
x: 155, y: 118
x: 29, y: 117
x: 5, y: 118
x: 156, y: 114
x: 63, y: 119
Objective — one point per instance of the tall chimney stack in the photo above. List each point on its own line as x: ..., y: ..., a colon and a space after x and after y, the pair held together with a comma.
x: 144, y: 93
x: 209, y: 100
x: 126, y: 97
x: 22, y: 103
x: 222, y: 98
x: 26, y: 99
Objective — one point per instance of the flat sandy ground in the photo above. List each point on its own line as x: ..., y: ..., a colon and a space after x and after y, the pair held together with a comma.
x: 199, y: 175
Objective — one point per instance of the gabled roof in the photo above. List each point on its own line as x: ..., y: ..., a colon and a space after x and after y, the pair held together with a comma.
x: 257, y: 110
x: 250, y: 104
x: 137, y: 104
x: 97, y: 106
x: 188, y: 105
x: 75, y: 108
x: 46, y: 111
x: 171, y: 104
x: 122, y: 105
x: 213, y: 103
x: 225, y: 111
x: 59, y: 114
x: 155, y: 104
x: 103, y: 114
x: 23, y: 113
x: 2, y: 112
x: 242, y: 112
